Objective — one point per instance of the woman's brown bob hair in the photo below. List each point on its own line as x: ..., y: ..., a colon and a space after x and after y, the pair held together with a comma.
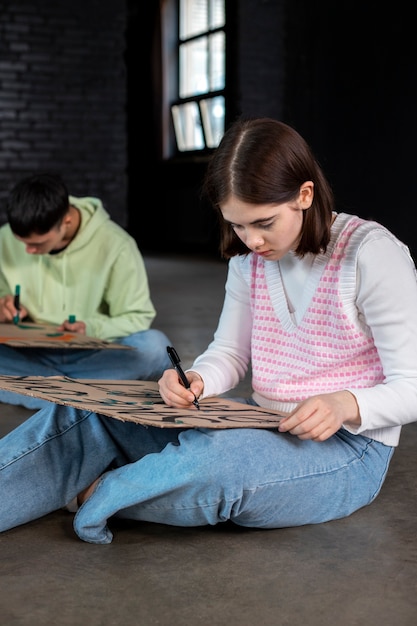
x: 262, y: 161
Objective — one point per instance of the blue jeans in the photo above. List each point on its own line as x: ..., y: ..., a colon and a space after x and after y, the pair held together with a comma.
x: 182, y: 477
x: 147, y: 361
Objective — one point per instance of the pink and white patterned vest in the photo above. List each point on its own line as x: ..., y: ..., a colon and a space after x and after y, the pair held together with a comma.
x: 330, y: 349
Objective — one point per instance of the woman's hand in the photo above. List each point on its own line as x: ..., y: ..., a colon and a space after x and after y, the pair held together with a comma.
x: 319, y: 417
x: 175, y: 394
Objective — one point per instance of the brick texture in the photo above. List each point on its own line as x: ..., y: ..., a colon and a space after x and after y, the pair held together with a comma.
x: 63, y: 96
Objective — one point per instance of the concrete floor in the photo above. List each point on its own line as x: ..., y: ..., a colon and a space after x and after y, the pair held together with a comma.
x: 361, y: 570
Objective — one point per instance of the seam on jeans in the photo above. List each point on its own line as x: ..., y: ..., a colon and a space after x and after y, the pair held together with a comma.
x: 50, y: 437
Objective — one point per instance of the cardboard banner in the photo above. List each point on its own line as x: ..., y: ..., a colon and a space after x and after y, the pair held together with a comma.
x: 30, y: 335
x: 139, y: 401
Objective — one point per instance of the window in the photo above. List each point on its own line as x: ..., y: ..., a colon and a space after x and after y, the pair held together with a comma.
x: 196, y: 79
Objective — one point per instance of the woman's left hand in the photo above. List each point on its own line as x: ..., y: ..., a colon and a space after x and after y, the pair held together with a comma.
x: 319, y: 417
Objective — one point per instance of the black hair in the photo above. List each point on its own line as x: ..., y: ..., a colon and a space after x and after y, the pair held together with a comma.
x: 37, y: 204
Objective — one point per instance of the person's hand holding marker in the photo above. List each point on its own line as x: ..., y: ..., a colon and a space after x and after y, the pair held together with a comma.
x: 11, y: 309
x: 72, y: 325
x: 177, y: 388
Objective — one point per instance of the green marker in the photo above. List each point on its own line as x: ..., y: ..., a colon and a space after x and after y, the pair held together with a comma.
x: 71, y: 319
x: 16, y: 304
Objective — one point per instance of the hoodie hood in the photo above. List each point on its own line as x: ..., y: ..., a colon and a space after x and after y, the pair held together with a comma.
x: 93, y: 217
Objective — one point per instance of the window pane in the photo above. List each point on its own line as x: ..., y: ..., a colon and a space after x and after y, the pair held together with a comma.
x: 217, y: 16
x: 199, y: 111
x: 193, y: 17
x: 193, y: 68
x: 212, y: 113
x: 187, y: 124
x: 217, y: 61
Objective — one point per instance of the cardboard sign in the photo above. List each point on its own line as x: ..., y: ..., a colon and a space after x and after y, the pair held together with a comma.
x: 30, y: 335
x: 139, y: 401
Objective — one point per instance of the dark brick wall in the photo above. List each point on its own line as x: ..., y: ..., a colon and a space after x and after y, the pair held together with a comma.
x: 63, y: 96
x: 77, y: 94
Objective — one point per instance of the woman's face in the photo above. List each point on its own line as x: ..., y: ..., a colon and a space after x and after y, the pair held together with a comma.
x: 270, y: 230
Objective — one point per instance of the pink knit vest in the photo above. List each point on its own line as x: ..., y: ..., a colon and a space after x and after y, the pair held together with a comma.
x: 328, y: 351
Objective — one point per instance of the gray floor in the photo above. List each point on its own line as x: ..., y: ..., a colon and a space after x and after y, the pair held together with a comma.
x: 357, y: 571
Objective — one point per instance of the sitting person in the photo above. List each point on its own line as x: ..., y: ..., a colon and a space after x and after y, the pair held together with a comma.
x: 70, y: 259
x: 330, y: 332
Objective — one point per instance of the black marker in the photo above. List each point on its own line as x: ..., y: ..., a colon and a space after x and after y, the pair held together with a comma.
x: 175, y: 360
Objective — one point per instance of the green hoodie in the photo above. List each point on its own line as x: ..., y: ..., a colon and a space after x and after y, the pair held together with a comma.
x: 100, y: 277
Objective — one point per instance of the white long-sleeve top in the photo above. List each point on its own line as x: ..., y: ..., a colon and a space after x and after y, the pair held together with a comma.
x: 386, y: 303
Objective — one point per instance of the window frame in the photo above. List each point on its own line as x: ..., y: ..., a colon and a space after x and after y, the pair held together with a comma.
x: 171, y: 44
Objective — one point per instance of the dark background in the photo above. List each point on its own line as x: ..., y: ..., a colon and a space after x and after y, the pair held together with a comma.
x: 79, y: 94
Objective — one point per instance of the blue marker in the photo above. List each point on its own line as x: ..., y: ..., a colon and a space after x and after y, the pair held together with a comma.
x: 16, y: 304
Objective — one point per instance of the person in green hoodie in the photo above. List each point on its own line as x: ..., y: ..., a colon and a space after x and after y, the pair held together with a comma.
x: 69, y: 260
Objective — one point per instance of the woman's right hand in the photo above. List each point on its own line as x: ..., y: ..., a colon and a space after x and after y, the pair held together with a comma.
x: 175, y: 394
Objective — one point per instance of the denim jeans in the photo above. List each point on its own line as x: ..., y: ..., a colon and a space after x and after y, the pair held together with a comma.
x: 183, y: 477
x: 146, y: 361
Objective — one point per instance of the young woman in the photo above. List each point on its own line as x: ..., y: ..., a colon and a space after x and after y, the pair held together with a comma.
x: 322, y: 305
